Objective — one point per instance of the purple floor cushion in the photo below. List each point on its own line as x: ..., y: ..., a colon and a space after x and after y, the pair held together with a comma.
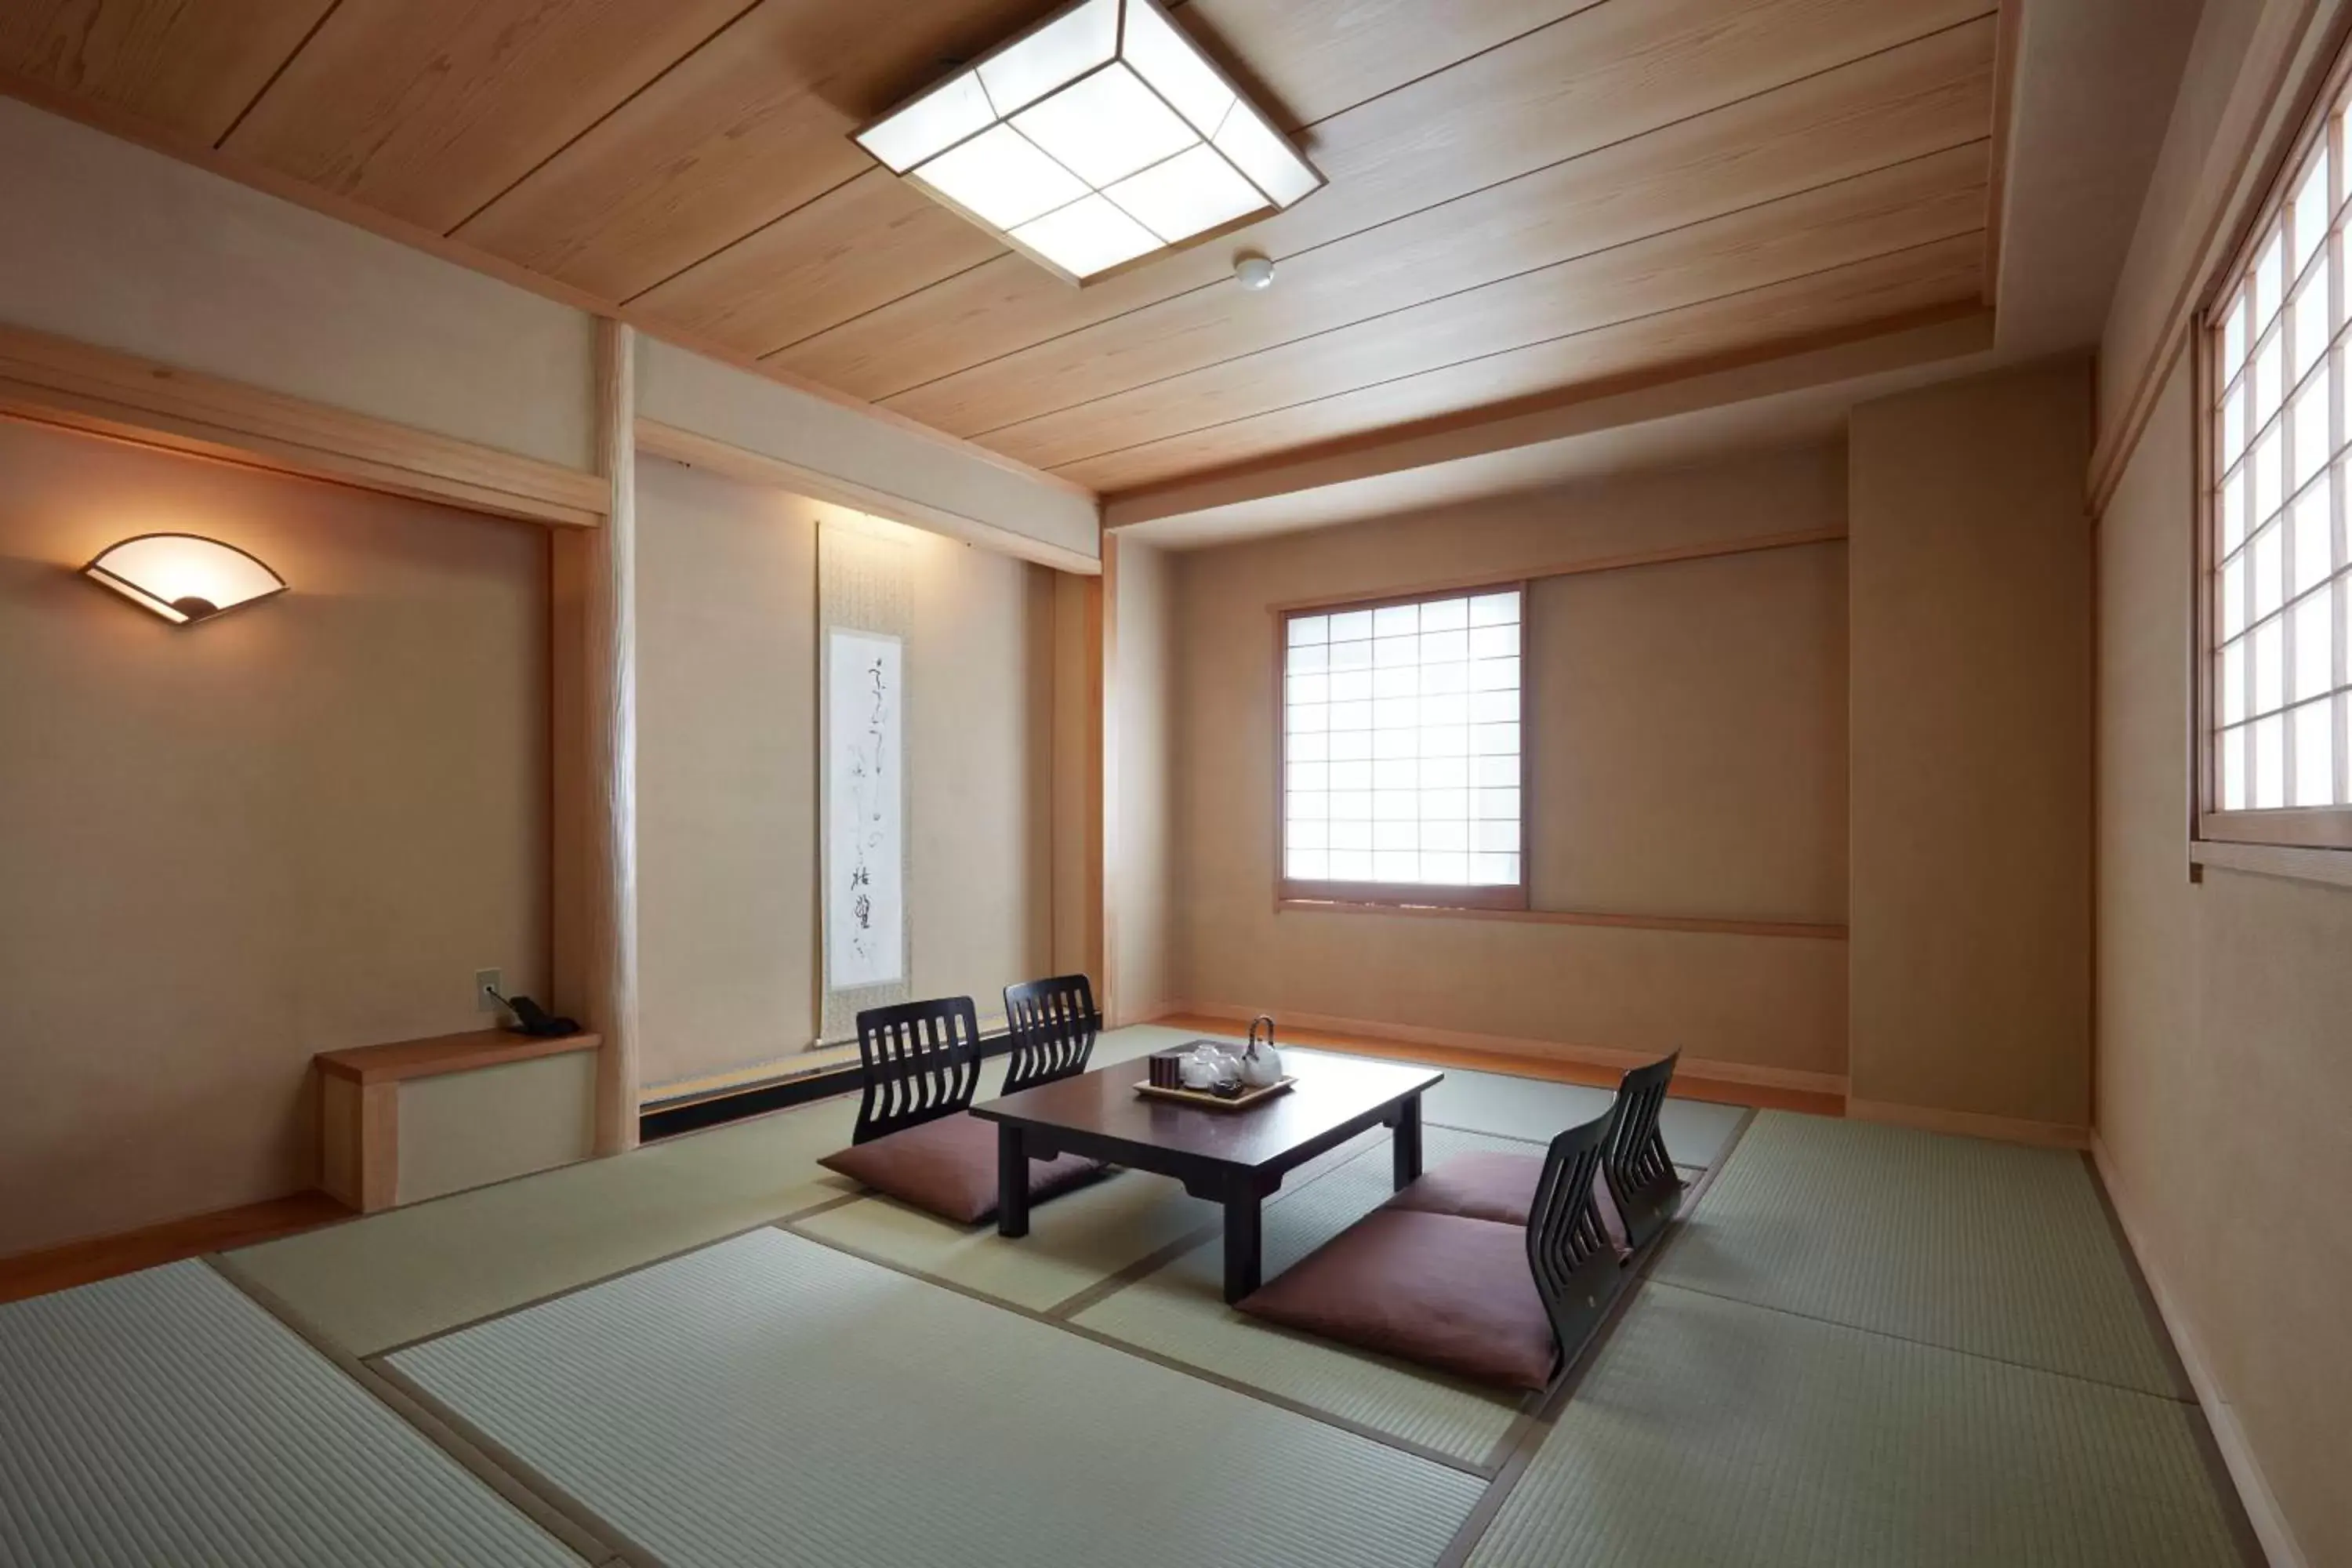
x: 1498, y: 1187
x: 1437, y: 1289
x: 947, y: 1167
x: 1480, y: 1185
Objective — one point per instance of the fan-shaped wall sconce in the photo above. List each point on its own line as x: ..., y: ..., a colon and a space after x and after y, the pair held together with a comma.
x: 183, y: 577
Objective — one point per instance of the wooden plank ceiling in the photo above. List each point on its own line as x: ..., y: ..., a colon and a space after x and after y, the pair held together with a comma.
x: 1526, y: 197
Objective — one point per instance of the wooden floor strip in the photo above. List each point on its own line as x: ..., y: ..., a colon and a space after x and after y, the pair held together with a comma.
x: 33, y: 1274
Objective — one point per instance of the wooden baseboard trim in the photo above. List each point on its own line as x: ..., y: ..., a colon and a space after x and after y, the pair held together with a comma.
x: 58, y: 381
x: 2262, y: 1511
x: 1149, y: 1013
x: 1971, y: 1124
x: 1608, y: 1057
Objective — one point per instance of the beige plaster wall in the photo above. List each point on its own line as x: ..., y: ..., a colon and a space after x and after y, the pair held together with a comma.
x: 1142, y: 810
x: 2224, y: 1039
x: 1692, y: 766
x: 1971, y: 759
x: 728, y: 769
x: 226, y: 847
x: 115, y: 245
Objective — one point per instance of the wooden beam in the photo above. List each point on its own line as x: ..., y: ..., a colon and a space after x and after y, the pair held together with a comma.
x: 1941, y: 333
x: 699, y: 451
x: 58, y: 381
x: 595, y: 761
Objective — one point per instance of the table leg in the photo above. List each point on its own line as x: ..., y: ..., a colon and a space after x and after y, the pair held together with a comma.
x: 1241, y: 1246
x: 1406, y: 1145
x: 1012, y: 1181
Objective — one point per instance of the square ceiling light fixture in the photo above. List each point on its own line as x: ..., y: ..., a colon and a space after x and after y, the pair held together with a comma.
x: 1099, y: 138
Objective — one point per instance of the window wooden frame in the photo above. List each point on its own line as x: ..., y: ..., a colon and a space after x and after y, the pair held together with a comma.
x: 2294, y: 828
x: 1291, y: 893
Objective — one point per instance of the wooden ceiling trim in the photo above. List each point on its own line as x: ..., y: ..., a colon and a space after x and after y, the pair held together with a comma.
x: 1919, y: 99
x: 751, y: 126
x: 1306, y: 60
x: 1909, y: 204
x: 191, y: 68
x: 860, y: 245
x: 425, y: 110
x: 1595, y: 77
x: 789, y: 277
x: 1860, y: 300
x: 770, y: 295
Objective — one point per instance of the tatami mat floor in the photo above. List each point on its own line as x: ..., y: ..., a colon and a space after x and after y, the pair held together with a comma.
x: 770, y: 1400
x: 1712, y: 1432
x: 1862, y: 1344
x: 1994, y: 1248
x: 164, y: 1418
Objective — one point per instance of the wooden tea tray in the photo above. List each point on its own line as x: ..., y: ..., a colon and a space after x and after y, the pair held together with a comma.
x: 1207, y: 1101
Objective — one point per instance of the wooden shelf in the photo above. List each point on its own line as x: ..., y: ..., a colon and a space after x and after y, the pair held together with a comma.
x: 399, y: 1060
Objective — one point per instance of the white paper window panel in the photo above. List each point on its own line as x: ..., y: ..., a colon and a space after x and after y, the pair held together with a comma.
x: 1402, y: 742
x: 2282, y: 673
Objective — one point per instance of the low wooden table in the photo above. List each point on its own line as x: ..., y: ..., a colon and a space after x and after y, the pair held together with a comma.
x: 1231, y: 1157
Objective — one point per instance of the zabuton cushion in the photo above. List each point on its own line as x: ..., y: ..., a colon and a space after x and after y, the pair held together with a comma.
x: 1483, y: 1184
x: 1437, y: 1289
x: 947, y: 1167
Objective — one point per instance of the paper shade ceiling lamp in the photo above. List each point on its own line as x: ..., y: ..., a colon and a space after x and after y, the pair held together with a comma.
x: 183, y: 577
x: 1099, y: 137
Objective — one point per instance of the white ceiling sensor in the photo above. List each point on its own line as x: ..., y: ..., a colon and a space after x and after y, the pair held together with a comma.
x: 1101, y: 137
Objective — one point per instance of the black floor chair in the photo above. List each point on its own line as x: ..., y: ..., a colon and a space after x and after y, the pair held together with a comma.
x: 1641, y: 1178
x: 913, y: 1140
x: 1054, y: 1025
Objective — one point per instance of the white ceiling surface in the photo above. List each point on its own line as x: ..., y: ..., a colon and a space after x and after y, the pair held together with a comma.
x: 2094, y: 90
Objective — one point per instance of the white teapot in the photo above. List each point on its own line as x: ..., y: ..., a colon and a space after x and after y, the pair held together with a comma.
x: 1261, y: 1064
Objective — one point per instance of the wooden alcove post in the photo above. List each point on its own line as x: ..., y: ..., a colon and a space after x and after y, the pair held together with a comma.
x: 593, y: 626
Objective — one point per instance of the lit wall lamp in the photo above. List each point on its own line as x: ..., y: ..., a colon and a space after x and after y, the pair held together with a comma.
x: 183, y: 577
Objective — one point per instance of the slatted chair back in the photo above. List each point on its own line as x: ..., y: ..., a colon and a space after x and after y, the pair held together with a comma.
x: 921, y: 1062
x: 1635, y: 1164
x: 1054, y: 1024
x: 1575, y: 1268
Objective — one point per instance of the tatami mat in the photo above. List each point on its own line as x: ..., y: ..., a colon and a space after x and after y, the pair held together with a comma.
x: 770, y: 1400
x: 1713, y: 1433
x: 163, y: 1418
x: 1994, y: 1248
x: 399, y: 1275
x: 1179, y: 1311
x: 1075, y: 1241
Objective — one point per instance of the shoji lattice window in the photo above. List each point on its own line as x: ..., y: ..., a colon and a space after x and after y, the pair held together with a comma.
x: 1402, y: 735
x: 2277, y: 697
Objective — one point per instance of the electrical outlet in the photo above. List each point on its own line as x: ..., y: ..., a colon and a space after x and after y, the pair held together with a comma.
x: 486, y: 981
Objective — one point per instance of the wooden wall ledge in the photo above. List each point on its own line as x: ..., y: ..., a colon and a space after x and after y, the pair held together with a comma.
x: 390, y: 1063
